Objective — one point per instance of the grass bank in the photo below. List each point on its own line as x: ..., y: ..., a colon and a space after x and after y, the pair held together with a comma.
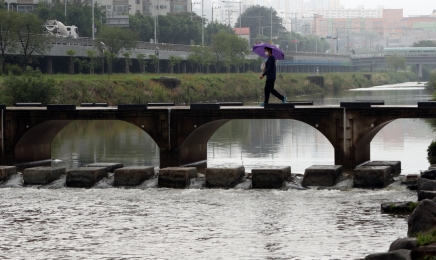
x: 138, y: 88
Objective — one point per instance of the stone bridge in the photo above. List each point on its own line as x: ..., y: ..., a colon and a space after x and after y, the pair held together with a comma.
x: 182, y: 133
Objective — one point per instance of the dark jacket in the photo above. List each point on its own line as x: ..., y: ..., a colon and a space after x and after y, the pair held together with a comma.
x: 270, y: 68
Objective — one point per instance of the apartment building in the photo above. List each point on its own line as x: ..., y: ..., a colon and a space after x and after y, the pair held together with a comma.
x: 118, y: 7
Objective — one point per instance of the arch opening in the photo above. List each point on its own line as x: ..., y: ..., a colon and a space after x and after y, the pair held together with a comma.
x: 74, y: 143
x: 404, y: 140
x: 266, y: 142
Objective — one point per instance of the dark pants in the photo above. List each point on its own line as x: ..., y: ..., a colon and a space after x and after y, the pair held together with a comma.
x: 269, y: 88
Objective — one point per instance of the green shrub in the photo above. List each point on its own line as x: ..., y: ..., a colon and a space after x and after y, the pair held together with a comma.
x: 32, y: 86
x: 426, y: 239
x: 431, y: 150
x: 431, y: 84
x: 13, y: 69
x: 413, y: 205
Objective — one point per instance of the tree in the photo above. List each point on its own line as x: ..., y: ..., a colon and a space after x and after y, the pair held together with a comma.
x: 112, y: 40
x: 110, y: 57
x: 227, y: 49
x: 30, y: 37
x: 115, y: 39
x: 238, y: 49
x: 127, y: 60
x: 30, y: 87
x: 92, y: 56
x: 143, y: 24
x: 71, y: 53
x: 195, y: 56
x: 7, y: 38
x: 220, y: 49
x: 395, y: 62
x: 257, y: 16
x: 175, y: 60
x: 154, y: 60
x: 212, y: 29
x: 142, y: 61
x: 424, y: 43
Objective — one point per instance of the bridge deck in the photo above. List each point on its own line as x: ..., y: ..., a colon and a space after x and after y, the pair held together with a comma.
x: 222, y: 108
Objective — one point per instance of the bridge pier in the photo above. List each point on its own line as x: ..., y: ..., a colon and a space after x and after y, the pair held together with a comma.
x: 419, y: 70
x: 49, y: 65
x: 183, y: 67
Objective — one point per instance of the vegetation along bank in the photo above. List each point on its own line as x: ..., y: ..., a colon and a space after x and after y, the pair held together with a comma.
x: 115, y: 89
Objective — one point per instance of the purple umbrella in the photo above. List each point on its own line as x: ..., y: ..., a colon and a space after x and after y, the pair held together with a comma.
x: 259, y: 49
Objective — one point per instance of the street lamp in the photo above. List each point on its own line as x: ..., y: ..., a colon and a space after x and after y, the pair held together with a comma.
x: 102, y: 56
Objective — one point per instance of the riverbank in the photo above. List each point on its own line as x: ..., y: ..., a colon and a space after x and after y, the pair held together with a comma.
x: 140, y: 88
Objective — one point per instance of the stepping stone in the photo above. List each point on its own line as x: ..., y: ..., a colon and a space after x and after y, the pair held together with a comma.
x: 395, y: 165
x: 109, y: 166
x: 321, y: 175
x: 176, y: 177
x: 371, y: 176
x: 271, y: 178
x: 42, y: 175
x: 6, y: 172
x: 85, y: 177
x: 226, y: 177
x: 132, y: 176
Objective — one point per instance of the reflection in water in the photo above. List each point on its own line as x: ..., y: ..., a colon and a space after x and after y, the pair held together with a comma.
x: 83, y: 142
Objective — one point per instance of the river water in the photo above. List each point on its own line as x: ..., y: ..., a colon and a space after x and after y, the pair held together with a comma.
x: 54, y: 222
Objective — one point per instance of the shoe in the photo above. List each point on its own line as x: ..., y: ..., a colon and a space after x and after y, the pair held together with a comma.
x: 284, y: 100
x: 262, y: 104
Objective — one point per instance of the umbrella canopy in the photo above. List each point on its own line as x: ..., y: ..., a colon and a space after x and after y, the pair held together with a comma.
x: 259, y: 49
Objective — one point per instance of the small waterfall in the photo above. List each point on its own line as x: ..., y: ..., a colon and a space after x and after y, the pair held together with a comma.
x: 244, y: 185
x: 148, y: 184
x: 105, y: 183
x: 197, y: 183
x: 57, y: 184
x: 15, y: 181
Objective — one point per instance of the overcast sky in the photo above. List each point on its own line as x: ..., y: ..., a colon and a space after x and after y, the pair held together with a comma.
x: 411, y: 7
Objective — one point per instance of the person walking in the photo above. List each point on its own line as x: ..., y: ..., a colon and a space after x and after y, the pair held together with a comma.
x: 270, y: 73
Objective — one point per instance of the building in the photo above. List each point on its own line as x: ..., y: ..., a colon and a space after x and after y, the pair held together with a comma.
x: 243, y: 33
x: 119, y: 7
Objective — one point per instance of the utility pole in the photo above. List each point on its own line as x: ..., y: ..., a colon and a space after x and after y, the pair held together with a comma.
x: 305, y: 28
x: 202, y: 24
x: 192, y: 3
x: 337, y: 41
x: 271, y: 25
x: 296, y: 23
x: 92, y: 3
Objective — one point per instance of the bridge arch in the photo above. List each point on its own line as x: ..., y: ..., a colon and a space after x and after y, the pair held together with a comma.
x: 35, y: 143
x: 194, y: 147
x: 363, y: 147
